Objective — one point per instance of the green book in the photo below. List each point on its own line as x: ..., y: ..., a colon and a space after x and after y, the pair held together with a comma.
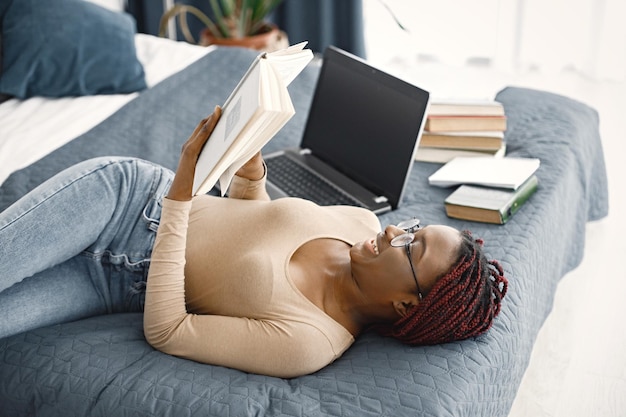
x: 488, y: 205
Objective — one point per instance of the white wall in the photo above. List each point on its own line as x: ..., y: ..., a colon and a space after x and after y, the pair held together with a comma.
x: 549, y: 36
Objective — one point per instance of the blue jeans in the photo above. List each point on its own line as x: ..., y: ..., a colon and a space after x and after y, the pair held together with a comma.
x: 79, y: 244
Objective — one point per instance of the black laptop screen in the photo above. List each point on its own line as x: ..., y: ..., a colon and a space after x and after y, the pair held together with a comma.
x: 365, y: 123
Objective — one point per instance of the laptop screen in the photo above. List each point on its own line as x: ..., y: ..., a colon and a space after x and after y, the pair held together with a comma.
x: 365, y: 123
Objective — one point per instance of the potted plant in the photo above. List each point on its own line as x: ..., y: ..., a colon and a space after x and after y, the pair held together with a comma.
x: 234, y: 23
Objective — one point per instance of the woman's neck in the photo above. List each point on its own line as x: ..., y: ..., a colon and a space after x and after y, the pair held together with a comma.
x: 321, y: 271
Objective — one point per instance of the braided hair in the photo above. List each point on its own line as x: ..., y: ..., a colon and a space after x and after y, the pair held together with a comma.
x: 462, y: 303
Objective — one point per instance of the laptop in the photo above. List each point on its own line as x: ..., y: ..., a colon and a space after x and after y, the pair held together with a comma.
x: 360, y: 138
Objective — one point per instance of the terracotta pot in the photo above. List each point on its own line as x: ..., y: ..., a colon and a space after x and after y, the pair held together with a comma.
x: 269, y: 41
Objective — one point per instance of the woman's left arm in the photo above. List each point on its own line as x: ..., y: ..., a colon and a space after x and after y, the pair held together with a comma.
x: 249, y: 181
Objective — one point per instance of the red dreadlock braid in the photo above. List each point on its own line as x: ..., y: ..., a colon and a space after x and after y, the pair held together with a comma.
x: 461, y: 304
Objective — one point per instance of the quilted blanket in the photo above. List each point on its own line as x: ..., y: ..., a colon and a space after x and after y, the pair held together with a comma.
x: 102, y: 366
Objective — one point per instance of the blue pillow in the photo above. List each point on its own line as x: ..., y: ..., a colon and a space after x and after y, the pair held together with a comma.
x: 59, y: 48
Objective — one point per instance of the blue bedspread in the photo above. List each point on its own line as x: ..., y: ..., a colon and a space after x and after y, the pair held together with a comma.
x: 102, y: 366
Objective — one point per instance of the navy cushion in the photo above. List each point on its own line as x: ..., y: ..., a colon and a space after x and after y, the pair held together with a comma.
x: 59, y: 48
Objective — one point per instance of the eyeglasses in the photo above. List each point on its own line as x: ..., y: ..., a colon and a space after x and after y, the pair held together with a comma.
x: 410, y: 227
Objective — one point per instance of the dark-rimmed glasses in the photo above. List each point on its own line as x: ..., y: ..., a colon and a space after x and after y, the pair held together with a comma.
x: 410, y: 227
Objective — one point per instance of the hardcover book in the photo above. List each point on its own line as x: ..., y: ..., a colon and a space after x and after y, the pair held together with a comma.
x: 482, y: 140
x: 444, y: 155
x: 256, y: 110
x: 475, y: 107
x: 488, y: 205
x: 456, y: 123
x: 507, y: 172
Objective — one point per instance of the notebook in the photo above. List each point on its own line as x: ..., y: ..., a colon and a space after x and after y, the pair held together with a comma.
x: 359, y: 141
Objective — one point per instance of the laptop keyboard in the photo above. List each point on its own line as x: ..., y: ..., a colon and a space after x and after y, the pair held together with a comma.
x: 298, y: 181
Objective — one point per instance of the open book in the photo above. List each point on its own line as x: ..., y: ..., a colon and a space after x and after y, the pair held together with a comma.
x: 253, y: 113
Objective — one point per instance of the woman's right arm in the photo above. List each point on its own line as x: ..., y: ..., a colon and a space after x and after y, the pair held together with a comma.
x: 165, y: 309
x: 182, y: 185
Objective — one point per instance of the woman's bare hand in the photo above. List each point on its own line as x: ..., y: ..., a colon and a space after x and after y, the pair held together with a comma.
x: 254, y: 169
x: 182, y: 185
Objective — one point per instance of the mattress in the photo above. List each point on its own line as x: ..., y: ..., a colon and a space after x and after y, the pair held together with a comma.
x: 102, y: 366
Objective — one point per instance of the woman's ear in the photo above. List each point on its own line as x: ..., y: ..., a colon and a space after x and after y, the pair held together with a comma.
x: 402, y: 307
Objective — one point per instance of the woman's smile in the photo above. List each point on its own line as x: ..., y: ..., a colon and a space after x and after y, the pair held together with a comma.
x: 374, y: 245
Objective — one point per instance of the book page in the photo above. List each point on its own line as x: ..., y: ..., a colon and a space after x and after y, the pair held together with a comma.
x: 290, y: 62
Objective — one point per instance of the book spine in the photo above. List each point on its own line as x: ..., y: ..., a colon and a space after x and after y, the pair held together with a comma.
x: 519, y: 198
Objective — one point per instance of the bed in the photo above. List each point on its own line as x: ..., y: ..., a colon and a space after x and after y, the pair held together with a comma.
x: 102, y: 366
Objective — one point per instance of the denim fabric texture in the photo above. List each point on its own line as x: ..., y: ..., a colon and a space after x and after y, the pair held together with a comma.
x: 80, y: 243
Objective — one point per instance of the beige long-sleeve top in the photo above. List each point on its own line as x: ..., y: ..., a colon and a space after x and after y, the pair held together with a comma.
x: 219, y: 290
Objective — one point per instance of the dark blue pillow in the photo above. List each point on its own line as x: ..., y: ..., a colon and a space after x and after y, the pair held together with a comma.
x: 59, y: 48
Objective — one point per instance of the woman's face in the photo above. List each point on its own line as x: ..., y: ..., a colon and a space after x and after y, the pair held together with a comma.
x: 382, y: 272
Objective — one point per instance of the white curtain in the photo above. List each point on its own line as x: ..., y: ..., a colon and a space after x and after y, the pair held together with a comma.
x: 549, y: 36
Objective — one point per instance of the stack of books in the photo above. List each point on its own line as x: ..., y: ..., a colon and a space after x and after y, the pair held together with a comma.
x: 462, y: 128
x: 490, y: 190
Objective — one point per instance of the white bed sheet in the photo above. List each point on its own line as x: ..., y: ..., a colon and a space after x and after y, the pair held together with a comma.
x: 30, y: 129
